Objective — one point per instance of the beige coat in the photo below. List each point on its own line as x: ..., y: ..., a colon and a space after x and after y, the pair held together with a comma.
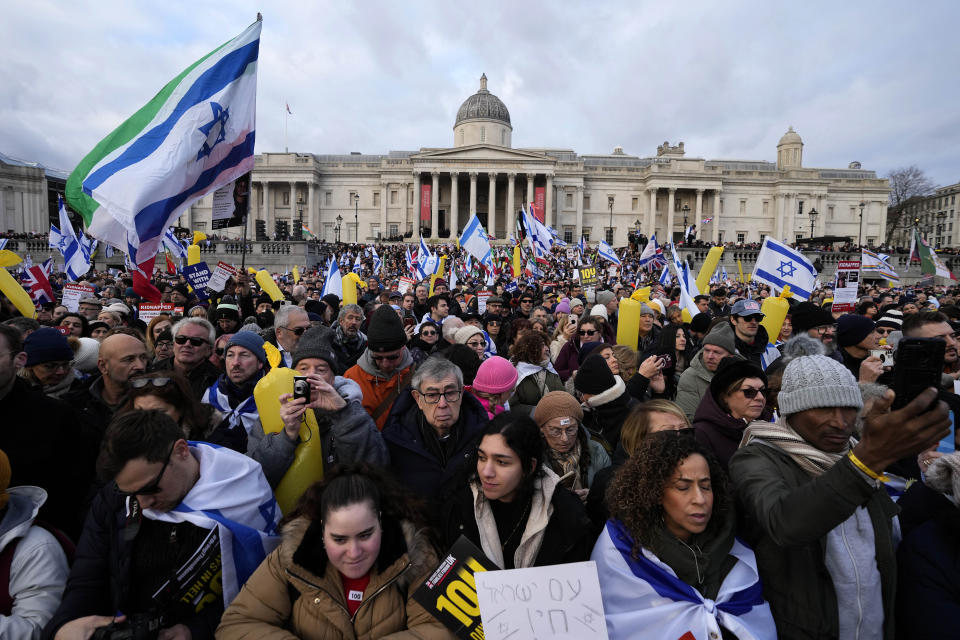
x: 284, y: 600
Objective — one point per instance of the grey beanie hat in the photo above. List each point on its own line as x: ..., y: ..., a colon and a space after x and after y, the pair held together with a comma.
x: 722, y: 336
x: 813, y: 382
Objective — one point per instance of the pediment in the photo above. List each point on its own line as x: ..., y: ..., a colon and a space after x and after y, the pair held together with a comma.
x: 481, y: 152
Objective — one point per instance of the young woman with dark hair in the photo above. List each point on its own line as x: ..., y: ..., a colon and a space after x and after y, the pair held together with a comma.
x: 511, y: 504
x: 354, y: 550
x: 667, y: 560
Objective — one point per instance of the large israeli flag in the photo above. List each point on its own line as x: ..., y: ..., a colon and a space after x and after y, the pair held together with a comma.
x: 475, y: 242
x: 427, y: 263
x: 194, y: 136
x: 333, y: 282
x: 607, y: 253
x: 779, y: 266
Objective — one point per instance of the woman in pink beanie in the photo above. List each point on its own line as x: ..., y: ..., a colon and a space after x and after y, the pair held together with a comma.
x: 494, y: 384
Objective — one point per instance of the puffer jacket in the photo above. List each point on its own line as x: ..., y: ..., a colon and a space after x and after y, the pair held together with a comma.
x: 376, y: 386
x: 693, y: 385
x: 297, y: 593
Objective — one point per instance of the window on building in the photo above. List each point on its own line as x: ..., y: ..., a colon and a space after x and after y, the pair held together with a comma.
x: 393, y: 229
x: 634, y: 204
x: 409, y: 227
x: 286, y: 197
x: 568, y: 201
x: 350, y: 198
x: 376, y: 199
x: 351, y: 232
x: 720, y: 237
x: 586, y: 203
x: 721, y: 205
x: 830, y: 212
x: 586, y: 234
x: 410, y: 198
x: 200, y: 225
x: 328, y: 198
x: 870, y: 241
x: 393, y: 197
x: 766, y: 207
x: 798, y: 237
x: 568, y: 235
x: 483, y: 134
x: 609, y: 234
x: 741, y: 236
x: 762, y: 237
x: 953, y: 199
x: 375, y: 231
x: 743, y: 207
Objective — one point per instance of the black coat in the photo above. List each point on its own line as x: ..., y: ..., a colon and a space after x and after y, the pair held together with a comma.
x: 567, y: 538
x: 201, y: 377
x: 412, y: 462
x: 597, y: 507
x: 605, y: 421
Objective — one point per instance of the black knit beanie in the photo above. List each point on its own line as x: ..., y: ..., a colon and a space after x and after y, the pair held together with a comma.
x: 386, y: 330
x: 594, y: 376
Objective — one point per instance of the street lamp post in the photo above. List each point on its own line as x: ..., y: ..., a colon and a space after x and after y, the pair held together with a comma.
x: 610, y: 232
x: 813, y: 217
x: 337, y: 228
x: 686, y: 210
x: 356, y: 224
x: 860, y: 233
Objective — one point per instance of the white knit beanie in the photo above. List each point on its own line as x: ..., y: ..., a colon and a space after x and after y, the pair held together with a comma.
x: 812, y: 382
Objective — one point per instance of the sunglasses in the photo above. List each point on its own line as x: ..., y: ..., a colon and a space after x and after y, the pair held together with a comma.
x: 428, y: 333
x: 194, y: 342
x: 587, y: 332
x: 153, y: 488
x: 297, y: 332
x: 750, y: 393
x: 494, y: 322
x: 390, y: 358
x: 220, y: 351
x: 753, y: 318
x: 140, y: 383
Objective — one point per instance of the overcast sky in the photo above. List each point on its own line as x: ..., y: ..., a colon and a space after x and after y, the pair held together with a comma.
x: 872, y: 81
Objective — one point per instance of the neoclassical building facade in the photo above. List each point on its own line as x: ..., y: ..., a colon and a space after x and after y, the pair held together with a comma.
x: 433, y: 191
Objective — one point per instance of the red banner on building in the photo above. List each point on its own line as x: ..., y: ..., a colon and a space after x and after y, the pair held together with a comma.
x: 539, y: 203
x: 425, y: 202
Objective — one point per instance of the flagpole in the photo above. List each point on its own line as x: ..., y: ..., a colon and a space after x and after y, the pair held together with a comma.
x: 286, y: 118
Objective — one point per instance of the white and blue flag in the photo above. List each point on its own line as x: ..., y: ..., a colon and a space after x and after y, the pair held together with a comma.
x: 377, y: 262
x: 333, y: 282
x: 582, y: 245
x: 475, y: 242
x: 357, y: 267
x: 665, y: 275
x: 427, y: 262
x: 652, y: 254
x: 607, y: 253
x: 779, y: 266
x: 173, y: 244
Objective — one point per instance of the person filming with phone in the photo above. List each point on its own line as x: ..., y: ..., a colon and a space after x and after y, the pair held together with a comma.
x: 814, y: 503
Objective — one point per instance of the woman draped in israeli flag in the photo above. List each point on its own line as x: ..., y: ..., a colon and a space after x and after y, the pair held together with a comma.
x: 669, y: 565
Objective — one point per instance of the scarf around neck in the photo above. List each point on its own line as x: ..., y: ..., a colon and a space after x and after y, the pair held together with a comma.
x: 782, y: 436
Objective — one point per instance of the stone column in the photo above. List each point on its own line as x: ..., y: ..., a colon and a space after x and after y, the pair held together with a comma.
x: 699, y: 214
x: 668, y: 237
x: 550, y: 216
x: 435, y: 205
x: 473, y: 192
x: 268, y: 209
x: 652, y: 216
x: 579, y: 213
x: 313, y: 219
x: 510, y: 206
x: 416, y: 206
x: 820, y: 221
x: 715, y: 235
x: 530, y: 179
x: 454, y: 202
x: 789, y: 213
x: 293, y: 204
x: 384, y: 192
x: 492, y: 204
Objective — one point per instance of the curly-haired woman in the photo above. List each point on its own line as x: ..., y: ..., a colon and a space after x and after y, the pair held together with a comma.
x: 536, y: 375
x: 668, y: 562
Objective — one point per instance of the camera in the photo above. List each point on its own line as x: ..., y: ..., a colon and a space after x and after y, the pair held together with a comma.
x: 886, y: 357
x: 140, y: 626
x: 301, y: 388
x: 666, y: 359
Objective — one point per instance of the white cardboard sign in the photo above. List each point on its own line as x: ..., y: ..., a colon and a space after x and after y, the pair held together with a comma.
x: 220, y: 275
x: 557, y: 602
x: 72, y: 294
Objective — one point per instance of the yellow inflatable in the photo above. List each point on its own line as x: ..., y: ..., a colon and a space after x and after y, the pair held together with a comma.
x: 350, y: 283
x: 17, y: 295
x: 774, y: 311
x: 709, y: 266
x: 193, y: 254
x: 517, y: 262
x: 198, y: 236
x: 307, y: 465
x: 267, y: 285
x: 628, y: 322
x: 296, y: 274
x: 9, y: 258
x: 439, y: 274
x: 640, y: 295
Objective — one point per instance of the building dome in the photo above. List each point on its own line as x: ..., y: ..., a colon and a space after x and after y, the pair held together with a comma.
x: 790, y: 137
x: 482, y: 105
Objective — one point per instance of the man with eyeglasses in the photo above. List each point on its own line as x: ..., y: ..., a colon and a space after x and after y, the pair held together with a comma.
x: 750, y: 337
x: 817, y: 323
x: 288, y: 325
x: 348, y: 341
x: 385, y: 367
x: 48, y: 362
x: 173, y: 536
x: 193, y: 340
x: 432, y: 427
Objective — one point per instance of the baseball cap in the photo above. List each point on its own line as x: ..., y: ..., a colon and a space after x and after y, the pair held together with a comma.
x: 746, y: 308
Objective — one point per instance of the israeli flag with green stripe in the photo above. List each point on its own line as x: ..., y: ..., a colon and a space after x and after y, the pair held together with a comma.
x: 194, y: 136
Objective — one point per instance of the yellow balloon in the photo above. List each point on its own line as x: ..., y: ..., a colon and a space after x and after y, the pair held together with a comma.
x: 198, y: 236
x: 296, y: 275
x: 193, y: 254
x: 251, y: 271
x: 350, y: 283
x: 628, y: 322
x: 9, y: 258
x: 685, y: 315
x: 709, y: 266
x: 17, y: 295
x: 774, y: 313
x: 268, y: 286
x: 641, y: 295
x: 307, y: 465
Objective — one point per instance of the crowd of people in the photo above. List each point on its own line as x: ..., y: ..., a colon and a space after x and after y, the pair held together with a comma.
x: 720, y: 492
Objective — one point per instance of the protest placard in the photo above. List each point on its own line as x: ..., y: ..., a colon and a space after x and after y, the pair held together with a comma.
x: 72, y: 292
x: 221, y: 274
x: 482, y: 301
x: 198, y: 275
x: 405, y: 284
x: 557, y: 602
x: 845, y: 285
x: 450, y: 594
x: 148, y: 311
x: 588, y: 275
